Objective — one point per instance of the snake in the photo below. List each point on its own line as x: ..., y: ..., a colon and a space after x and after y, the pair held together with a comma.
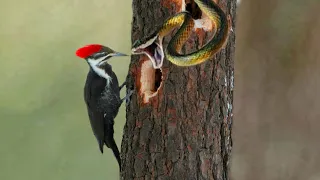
x: 152, y: 46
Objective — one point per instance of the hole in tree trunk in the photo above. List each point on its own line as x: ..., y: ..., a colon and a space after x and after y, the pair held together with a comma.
x: 193, y: 9
x: 158, y: 77
x: 201, y: 20
x: 150, y: 80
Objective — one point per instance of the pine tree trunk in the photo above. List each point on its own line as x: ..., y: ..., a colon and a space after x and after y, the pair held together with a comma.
x: 184, y: 131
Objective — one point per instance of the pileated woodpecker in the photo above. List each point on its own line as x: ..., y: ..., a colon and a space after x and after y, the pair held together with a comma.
x: 102, y: 94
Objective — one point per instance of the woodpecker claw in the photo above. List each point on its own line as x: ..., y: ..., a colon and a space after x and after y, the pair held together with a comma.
x: 127, y: 97
x: 122, y: 85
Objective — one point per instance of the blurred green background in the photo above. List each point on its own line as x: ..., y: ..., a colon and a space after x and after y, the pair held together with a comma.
x: 45, y: 131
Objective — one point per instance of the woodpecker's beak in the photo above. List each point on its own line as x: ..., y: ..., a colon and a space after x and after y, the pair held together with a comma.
x: 117, y: 54
x: 106, y: 58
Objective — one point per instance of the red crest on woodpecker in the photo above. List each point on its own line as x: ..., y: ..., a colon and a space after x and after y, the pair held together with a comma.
x: 88, y: 50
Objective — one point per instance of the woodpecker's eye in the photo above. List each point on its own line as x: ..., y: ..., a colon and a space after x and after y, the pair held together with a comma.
x: 99, y: 55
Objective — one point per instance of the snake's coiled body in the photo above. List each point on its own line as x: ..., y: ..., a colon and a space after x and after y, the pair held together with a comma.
x: 173, y: 53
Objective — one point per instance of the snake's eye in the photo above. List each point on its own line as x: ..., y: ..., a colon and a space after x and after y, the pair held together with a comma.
x: 136, y: 43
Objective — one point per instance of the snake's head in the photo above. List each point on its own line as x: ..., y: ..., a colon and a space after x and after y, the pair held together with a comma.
x: 152, y: 48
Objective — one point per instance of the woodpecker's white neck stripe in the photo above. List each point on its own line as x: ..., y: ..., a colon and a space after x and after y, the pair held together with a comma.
x: 95, y: 66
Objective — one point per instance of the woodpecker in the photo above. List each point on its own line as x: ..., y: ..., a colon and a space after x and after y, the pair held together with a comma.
x: 102, y: 94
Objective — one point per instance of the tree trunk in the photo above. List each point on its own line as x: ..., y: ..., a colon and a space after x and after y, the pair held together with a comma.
x: 184, y: 131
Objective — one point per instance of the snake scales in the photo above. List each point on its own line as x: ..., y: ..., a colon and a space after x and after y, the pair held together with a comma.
x: 153, y: 48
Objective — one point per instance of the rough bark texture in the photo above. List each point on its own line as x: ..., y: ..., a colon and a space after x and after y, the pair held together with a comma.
x: 277, y: 102
x: 185, y: 131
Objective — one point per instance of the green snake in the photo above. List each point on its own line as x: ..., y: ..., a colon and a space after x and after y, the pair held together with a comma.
x: 153, y: 48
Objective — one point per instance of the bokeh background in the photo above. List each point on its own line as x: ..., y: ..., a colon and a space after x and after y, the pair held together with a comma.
x: 44, y: 128
x: 276, y: 96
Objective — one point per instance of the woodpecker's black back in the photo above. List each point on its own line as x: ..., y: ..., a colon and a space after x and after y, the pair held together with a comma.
x: 103, y: 102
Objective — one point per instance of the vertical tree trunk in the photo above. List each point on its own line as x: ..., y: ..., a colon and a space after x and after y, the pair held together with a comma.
x: 184, y: 131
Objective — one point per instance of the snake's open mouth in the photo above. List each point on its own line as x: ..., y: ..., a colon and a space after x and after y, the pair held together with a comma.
x: 153, y: 49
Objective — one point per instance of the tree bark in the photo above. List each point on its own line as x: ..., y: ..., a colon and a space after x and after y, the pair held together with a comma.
x: 184, y: 131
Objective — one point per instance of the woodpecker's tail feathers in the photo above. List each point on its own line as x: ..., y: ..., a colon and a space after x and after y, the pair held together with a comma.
x: 101, y: 143
x: 110, y: 143
x: 109, y: 139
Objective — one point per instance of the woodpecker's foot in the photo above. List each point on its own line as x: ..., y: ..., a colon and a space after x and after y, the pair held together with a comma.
x: 127, y: 97
x: 122, y: 85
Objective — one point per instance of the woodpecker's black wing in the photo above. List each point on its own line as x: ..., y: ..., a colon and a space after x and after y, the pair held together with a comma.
x: 103, y: 102
x: 93, y: 89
